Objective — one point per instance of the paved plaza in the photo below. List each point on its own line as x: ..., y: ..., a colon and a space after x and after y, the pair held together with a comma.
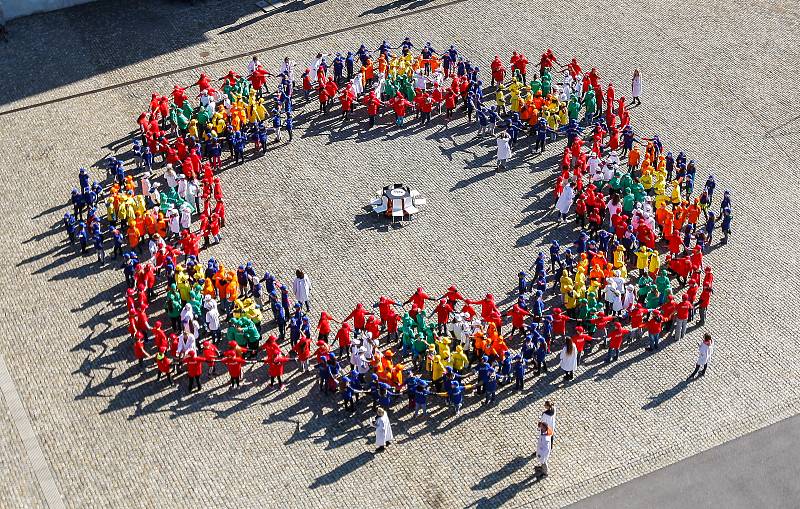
x: 78, y: 421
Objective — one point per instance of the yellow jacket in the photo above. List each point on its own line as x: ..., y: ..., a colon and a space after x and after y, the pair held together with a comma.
x: 459, y: 359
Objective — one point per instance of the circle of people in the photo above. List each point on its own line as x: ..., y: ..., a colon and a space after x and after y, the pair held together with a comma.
x: 626, y: 193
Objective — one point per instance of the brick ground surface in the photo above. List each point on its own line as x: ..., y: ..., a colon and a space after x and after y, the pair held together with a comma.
x: 713, y: 88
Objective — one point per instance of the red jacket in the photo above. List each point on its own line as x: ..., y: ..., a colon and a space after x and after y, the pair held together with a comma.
x: 324, y: 325
x: 637, y: 315
x: 343, y: 336
x: 580, y: 340
x: 138, y: 349
x: 654, y: 325
x: 234, y: 364
x: 372, y: 107
x: 303, y: 349
x: 359, y: 316
x: 615, y: 337
x: 518, y: 316
x: 392, y: 322
x: 271, y: 348
x: 163, y: 364
x: 443, y: 311
x: 276, y: 366
x: 559, y: 323
x: 683, y: 309
x: 399, y: 105
x: 450, y: 100
x: 705, y: 297
x: 194, y: 365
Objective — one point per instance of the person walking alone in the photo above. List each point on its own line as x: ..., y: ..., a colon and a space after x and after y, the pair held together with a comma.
x: 636, y: 87
x: 704, y: 353
x: 383, y: 430
x: 302, y: 289
x: 543, y: 448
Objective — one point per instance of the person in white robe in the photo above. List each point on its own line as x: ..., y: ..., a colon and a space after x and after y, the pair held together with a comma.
x: 564, y: 202
x: 383, y: 430
x: 636, y: 87
x: 358, y: 85
x: 543, y: 447
x: 504, y: 152
x: 171, y: 176
x: 145, y: 183
x: 705, y: 350
x: 569, y: 359
x: 186, y: 216
x: 174, y: 222
x: 302, y: 289
x: 614, y: 292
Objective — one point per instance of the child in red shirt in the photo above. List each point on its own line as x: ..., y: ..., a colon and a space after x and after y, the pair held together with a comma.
x: 654, y: 330
x: 637, y: 320
x: 164, y: 364
x: 579, y: 339
x: 276, y: 367
x: 702, y: 303
x: 303, y: 351
x: 210, y: 354
x: 343, y: 337
x: 234, y: 364
x: 194, y: 368
x: 559, y: 323
x: 139, y: 350
x: 615, y: 341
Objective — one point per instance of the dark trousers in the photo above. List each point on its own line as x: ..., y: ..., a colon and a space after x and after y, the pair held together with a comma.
x: 697, y: 368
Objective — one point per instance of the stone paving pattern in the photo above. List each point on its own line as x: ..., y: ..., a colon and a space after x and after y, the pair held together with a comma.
x: 718, y: 84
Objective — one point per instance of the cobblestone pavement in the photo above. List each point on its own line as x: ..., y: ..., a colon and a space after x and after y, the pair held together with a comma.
x: 113, y: 437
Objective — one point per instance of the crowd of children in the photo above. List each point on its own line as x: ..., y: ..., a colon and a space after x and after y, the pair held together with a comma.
x: 630, y: 198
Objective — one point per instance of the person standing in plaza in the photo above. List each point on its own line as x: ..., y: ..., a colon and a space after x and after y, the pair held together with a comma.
x: 704, y: 352
x: 549, y: 417
x: 383, y: 430
x: 564, y: 202
x: 682, y: 313
x: 569, y: 359
x: 503, y: 149
x: 636, y: 87
x: 543, y: 448
x: 302, y: 289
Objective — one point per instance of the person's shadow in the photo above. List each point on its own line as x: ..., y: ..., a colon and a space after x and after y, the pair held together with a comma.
x: 346, y: 468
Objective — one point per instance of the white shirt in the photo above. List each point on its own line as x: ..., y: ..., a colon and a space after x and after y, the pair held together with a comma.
x: 704, y: 353
x: 174, y: 224
x: 186, y: 343
x: 287, y: 68
x: 383, y: 431
x: 612, y: 208
x: 186, y: 217
x: 565, y: 199
x: 182, y: 185
x: 187, y: 313
x: 569, y: 362
x: 503, y: 147
x: 302, y: 288
x: 550, y: 420
x: 145, y: 185
x: 544, y: 446
x: 212, y: 315
x: 171, y: 178
x: 636, y: 85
